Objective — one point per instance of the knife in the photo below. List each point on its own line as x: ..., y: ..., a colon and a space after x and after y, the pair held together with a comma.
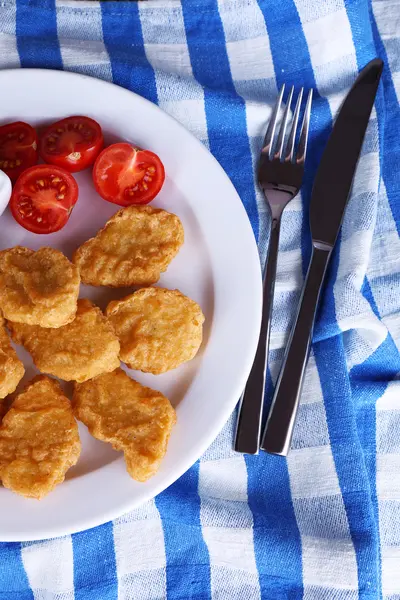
x: 328, y: 201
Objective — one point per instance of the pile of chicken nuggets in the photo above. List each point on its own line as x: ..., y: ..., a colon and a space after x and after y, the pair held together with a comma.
x: 152, y: 330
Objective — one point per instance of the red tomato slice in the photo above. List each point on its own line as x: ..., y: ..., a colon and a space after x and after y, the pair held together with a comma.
x: 126, y: 175
x: 43, y: 198
x: 72, y: 144
x: 18, y: 148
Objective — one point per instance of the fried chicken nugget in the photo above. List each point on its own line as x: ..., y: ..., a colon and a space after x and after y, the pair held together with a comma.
x: 158, y: 329
x: 38, y: 288
x: 132, y: 418
x: 134, y: 247
x: 39, y: 439
x: 11, y: 368
x: 76, y: 352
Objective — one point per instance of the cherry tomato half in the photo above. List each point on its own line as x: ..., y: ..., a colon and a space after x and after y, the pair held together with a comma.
x: 18, y: 148
x: 72, y: 144
x: 126, y: 175
x: 43, y: 198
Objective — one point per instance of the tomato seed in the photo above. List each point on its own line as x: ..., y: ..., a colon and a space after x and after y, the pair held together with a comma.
x: 18, y: 163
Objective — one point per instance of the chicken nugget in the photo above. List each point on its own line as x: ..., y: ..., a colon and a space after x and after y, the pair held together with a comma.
x: 134, y: 247
x: 38, y: 288
x: 78, y: 351
x: 11, y: 368
x: 132, y: 418
x: 39, y: 439
x: 158, y: 329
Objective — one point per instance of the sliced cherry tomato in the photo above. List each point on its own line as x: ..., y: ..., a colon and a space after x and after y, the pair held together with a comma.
x: 18, y: 148
x: 73, y: 143
x: 126, y: 175
x: 43, y: 198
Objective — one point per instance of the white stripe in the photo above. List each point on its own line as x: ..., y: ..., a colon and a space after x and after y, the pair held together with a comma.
x: 169, y: 61
x: 390, y: 399
x: 9, y: 57
x: 140, y: 554
x: 328, y: 555
x: 49, y: 568
x: 81, y: 42
x: 312, y: 473
x: 312, y: 391
x: 250, y: 58
x: 329, y: 563
x: 390, y: 556
x: 227, y: 526
x: 329, y: 54
x: 392, y: 322
x: 388, y: 490
x: 387, y: 476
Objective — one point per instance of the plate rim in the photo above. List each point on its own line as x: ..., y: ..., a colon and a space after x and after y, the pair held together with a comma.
x: 256, y: 303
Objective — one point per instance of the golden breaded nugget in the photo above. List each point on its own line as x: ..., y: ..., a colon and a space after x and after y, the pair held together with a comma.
x: 78, y: 351
x: 11, y: 368
x: 38, y: 288
x: 158, y: 329
x: 134, y: 247
x: 132, y: 418
x: 39, y: 439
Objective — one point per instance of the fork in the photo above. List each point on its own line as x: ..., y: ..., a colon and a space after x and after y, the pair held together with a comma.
x: 280, y: 173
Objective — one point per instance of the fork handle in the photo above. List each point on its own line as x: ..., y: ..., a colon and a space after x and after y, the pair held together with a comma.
x: 251, y: 406
x: 281, y: 419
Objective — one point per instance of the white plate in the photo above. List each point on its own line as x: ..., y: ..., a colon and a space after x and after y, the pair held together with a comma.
x: 218, y: 266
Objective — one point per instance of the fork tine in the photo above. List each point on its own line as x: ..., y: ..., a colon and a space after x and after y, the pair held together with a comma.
x: 302, y: 149
x: 269, y: 136
x: 292, y: 135
x: 282, y: 129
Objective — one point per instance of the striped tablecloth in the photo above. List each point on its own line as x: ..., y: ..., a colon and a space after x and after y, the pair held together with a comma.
x: 325, y: 523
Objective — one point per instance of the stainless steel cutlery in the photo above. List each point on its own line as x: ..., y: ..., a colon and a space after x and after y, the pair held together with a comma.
x: 280, y: 173
x: 328, y: 202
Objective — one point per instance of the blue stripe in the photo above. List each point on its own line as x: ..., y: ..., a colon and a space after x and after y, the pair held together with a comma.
x: 95, y: 570
x: 277, y: 545
x: 224, y: 108
x: 37, y: 39
x: 188, y: 563
x: 365, y: 382
x: 292, y: 67
x: 389, y: 121
x: 360, y: 24
x: 123, y: 38
x: 278, y: 560
x: 292, y: 64
x: 13, y: 580
x: 342, y: 418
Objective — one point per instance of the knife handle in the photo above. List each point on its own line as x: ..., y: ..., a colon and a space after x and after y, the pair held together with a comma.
x: 280, y: 424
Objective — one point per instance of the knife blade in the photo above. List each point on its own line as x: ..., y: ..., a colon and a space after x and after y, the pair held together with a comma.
x: 337, y: 167
x: 329, y: 197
